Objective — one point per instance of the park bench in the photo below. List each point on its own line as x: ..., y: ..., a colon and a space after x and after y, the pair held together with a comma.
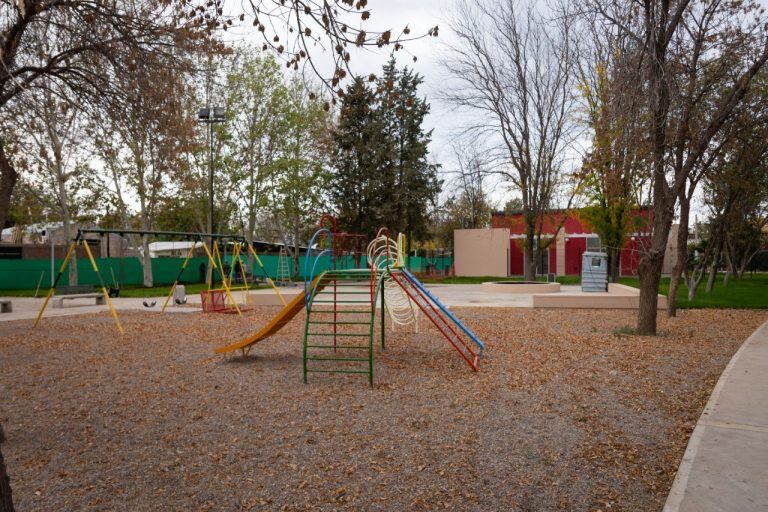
x: 76, y: 292
x: 6, y: 306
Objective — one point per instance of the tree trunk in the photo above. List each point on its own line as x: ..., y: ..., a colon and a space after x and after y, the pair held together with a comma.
x: 146, y: 262
x: 682, y: 256
x: 693, y: 284
x: 712, y: 277
x: 651, y: 264
x: 713, y: 271
x: 8, y: 178
x: 649, y: 271
x: 614, y: 264
x: 529, y: 267
x: 296, y: 232
x: 728, y: 266
x: 6, y: 497
x: 67, y: 228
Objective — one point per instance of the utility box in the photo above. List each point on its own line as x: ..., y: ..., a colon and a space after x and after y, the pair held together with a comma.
x: 594, y: 272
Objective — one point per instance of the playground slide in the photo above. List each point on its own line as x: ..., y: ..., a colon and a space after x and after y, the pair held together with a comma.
x: 278, y: 322
x: 444, y: 309
x: 441, y: 317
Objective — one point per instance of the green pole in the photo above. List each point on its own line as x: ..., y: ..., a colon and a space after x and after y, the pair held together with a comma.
x: 383, y: 315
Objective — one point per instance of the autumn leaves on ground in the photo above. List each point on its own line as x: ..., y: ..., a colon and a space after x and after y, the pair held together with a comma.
x: 566, y: 414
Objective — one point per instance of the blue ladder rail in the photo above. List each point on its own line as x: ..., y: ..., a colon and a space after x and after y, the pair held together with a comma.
x: 444, y: 309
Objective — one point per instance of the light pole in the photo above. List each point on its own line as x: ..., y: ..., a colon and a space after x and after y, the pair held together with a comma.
x: 210, y: 116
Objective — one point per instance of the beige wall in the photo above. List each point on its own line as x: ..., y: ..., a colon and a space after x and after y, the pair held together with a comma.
x: 481, y: 252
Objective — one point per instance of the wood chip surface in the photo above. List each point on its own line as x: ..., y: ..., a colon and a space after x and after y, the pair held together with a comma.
x: 565, y: 414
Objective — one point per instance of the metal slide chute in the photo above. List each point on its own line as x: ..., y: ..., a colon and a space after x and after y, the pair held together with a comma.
x: 278, y: 322
x: 458, y: 335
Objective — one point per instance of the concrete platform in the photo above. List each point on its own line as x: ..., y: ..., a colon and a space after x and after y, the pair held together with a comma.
x: 270, y: 298
x: 618, y: 296
x: 725, y: 467
x: 520, y: 287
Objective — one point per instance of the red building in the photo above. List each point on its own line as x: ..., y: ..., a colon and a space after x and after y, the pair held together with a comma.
x: 563, y: 255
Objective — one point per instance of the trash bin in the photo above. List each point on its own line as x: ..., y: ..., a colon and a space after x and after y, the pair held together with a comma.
x: 180, y: 294
x: 594, y: 272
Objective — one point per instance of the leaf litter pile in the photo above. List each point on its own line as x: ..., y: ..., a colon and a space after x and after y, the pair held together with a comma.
x: 566, y: 413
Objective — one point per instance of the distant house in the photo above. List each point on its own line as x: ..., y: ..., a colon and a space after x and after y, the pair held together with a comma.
x: 176, y: 249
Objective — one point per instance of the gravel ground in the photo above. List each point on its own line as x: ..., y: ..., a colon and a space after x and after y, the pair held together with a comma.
x: 566, y: 414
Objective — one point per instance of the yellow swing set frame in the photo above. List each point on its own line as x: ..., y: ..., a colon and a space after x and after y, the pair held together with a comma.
x: 212, y: 255
x: 215, y: 260
x: 64, y: 264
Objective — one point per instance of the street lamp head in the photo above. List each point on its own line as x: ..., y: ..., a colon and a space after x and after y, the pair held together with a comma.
x: 211, y: 115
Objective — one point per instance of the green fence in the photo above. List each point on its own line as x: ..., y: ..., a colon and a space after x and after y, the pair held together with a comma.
x: 25, y: 274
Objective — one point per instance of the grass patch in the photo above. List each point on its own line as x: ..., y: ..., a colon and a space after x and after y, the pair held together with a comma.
x: 623, y: 331
x: 751, y: 292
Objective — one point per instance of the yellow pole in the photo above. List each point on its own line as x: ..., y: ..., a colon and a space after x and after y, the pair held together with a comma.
x: 271, y: 283
x: 235, y: 252
x: 239, y: 261
x: 224, y: 282
x: 217, y: 253
x: 103, y: 288
x: 401, y: 245
x: 183, y: 266
x: 242, y: 267
x: 244, y: 273
x: 56, y: 281
x: 212, y: 263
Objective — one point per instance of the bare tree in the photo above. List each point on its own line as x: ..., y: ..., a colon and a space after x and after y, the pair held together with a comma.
x: 614, y: 172
x: 516, y: 70
x: 680, y: 138
x: 142, y: 139
x: 59, y: 171
x: 78, y: 47
x: 471, y: 208
x: 297, y: 29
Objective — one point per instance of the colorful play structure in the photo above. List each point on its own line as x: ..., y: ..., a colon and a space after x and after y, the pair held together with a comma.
x: 342, y: 286
x: 214, y: 299
x: 345, y: 281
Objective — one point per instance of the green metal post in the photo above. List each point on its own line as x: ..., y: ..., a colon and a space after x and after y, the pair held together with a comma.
x: 383, y: 315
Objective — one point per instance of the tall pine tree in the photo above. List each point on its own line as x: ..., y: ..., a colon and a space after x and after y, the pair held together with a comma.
x: 359, y: 156
x: 410, y: 181
x: 382, y: 176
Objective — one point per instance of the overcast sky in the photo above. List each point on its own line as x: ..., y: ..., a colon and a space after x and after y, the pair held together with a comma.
x: 420, y: 16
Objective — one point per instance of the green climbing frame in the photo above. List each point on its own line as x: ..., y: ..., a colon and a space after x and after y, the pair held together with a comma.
x: 339, y: 327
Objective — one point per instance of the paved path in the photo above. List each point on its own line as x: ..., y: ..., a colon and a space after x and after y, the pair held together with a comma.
x: 25, y: 308
x: 452, y: 295
x: 725, y: 467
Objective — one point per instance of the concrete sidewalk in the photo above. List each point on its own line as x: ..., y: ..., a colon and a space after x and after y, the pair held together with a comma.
x: 725, y: 467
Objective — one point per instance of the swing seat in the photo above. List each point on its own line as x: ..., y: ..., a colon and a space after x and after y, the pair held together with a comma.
x: 213, y: 301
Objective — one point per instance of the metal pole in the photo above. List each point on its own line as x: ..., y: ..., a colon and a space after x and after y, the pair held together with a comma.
x: 210, y: 170
x: 50, y: 237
